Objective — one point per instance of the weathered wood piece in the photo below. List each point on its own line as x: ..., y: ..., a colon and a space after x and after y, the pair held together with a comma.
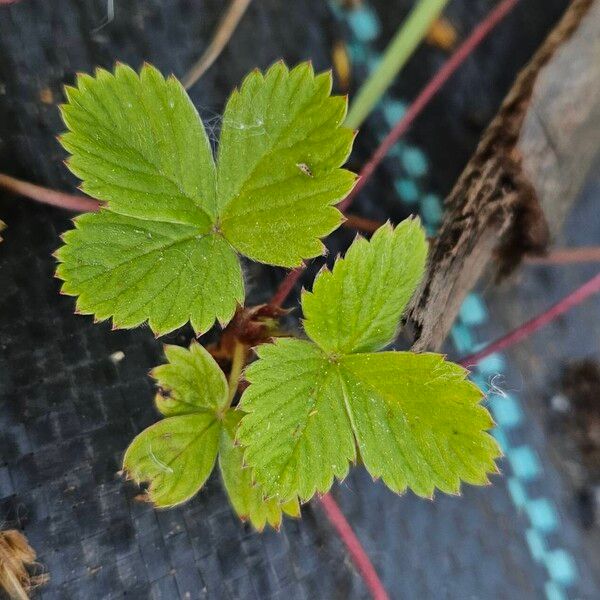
x: 531, y: 162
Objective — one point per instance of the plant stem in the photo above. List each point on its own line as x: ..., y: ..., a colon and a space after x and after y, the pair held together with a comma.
x: 414, y: 110
x: 427, y: 94
x: 576, y: 297
x: 47, y: 196
x: 357, y: 553
x: 287, y: 285
x: 238, y: 362
x: 362, y: 224
x: 409, y: 35
x: 225, y: 30
x: 567, y: 256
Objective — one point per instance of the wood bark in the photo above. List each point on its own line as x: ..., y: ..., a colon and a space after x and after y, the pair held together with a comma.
x: 531, y: 162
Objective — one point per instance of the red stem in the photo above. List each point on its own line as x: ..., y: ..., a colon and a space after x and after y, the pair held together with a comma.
x: 567, y: 256
x: 287, y: 285
x: 520, y: 333
x: 47, y: 196
x: 414, y: 110
x: 355, y: 550
x: 428, y: 93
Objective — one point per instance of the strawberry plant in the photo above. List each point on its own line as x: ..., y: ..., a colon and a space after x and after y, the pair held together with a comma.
x: 164, y: 249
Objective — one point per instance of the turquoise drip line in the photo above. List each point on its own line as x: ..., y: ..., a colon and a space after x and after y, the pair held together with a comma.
x: 507, y: 409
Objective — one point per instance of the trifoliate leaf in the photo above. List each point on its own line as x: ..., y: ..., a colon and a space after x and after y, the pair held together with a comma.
x: 278, y: 172
x: 357, y: 306
x: 246, y: 497
x: 176, y: 455
x: 133, y: 270
x: 416, y: 421
x: 297, y: 430
x: 164, y: 247
x: 189, y: 382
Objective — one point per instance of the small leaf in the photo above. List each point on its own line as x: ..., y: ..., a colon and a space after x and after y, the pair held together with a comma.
x: 190, y: 382
x: 135, y: 270
x: 357, y: 306
x: 176, y: 455
x: 278, y: 174
x: 297, y: 431
x: 418, y: 421
x: 247, y: 498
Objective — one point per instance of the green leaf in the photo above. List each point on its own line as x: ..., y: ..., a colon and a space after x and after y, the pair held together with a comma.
x: 189, y: 382
x: 176, y: 455
x: 138, y: 143
x: 247, y: 498
x: 357, y: 306
x: 418, y: 421
x: 164, y: 249
x: 134, y: 270
x: 297, y: 431
x: 278, y: 174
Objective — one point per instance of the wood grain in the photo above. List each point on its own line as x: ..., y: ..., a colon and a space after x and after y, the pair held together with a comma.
x: 531, y: 162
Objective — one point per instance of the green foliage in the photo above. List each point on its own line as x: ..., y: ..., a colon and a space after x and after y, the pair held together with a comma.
x: 246, y: 497
x: 176, y: 455
x: 414, y: 418
x: 165, y: 249
x: 165, y: 246
x: 357, y: 306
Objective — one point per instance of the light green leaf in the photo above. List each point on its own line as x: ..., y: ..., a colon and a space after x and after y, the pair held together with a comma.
x: 297, y: 431
x: 357, y: 306
x: 135, y: 270
x: 138, y: 143
x: 164, y: 248
x: 246, y: 497
x: 190, y: 382
x: 176, y: 455
x: 418, y: 421
x: 278, y: 174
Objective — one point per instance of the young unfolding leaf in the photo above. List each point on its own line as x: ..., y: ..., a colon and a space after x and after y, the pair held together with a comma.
x: 415, y: 419
x: 176, y: 455
x: 164, y: 248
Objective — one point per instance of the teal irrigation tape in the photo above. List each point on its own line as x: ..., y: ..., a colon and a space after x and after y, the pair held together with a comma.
x: 525, y: 465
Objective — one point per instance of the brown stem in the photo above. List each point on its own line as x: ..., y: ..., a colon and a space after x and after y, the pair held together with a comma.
x: 567, y: 256
x: 362, y: 224
x: 46, y: 196
x: 225, y: 30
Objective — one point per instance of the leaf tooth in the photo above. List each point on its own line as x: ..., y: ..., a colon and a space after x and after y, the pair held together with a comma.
x: 102, y: 74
